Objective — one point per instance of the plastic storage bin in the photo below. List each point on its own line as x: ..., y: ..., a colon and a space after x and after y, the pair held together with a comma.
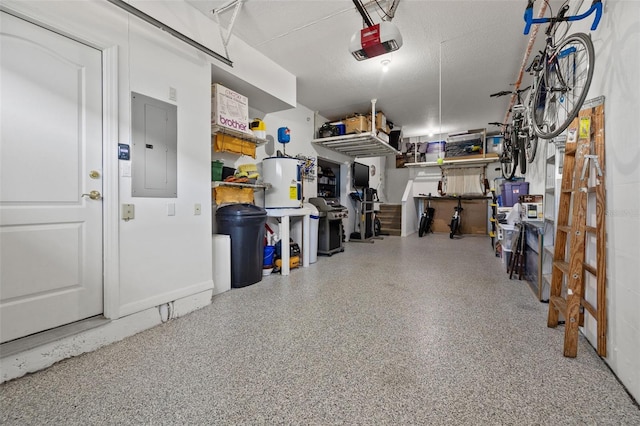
x: 510, y: 191
x: 506, y: 235
x: 244, y: 223
x: 216, y: 170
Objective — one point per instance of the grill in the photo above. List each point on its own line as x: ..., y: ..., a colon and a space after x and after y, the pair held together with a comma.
x: 330, y: 229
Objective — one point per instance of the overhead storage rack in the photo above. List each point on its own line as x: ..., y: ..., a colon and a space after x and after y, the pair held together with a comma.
x: 362, y: 145
x: 358, y: 145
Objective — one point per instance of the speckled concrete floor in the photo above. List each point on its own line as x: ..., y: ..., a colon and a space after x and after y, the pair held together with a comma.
x: 402, y: 331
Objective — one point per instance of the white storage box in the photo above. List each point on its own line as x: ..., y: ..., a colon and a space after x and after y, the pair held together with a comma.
x: 221, y: 246
x: 229, y: 109
x: 506, y: 235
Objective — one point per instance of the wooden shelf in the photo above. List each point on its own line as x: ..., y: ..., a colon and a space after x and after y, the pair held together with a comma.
x: 361, y: 145
x: 459, y: 162
x: 255, y: 186
x: 216, y: 129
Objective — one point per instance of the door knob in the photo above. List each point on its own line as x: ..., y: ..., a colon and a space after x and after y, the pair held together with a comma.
x: 94, y: 195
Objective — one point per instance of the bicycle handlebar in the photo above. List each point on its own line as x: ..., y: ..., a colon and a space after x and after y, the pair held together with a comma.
x: 596, y: 6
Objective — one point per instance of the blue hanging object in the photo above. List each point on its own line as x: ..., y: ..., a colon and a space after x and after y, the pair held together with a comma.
x: 284, y: 135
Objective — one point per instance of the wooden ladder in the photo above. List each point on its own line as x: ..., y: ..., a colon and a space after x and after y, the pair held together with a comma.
x: 582, y: 181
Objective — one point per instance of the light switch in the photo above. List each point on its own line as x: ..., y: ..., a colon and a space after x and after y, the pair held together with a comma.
x: 171, y: 209
x: 197, y: 209
x: 126, y: 169
x: 128, y: 212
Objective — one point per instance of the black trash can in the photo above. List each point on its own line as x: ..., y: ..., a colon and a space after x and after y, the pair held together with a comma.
x: 244, y: 223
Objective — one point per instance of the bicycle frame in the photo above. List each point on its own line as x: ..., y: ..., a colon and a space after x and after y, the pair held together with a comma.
x: 596, y: 7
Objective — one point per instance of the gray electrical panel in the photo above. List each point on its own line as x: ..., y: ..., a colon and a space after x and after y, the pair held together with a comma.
x: 154, y: 167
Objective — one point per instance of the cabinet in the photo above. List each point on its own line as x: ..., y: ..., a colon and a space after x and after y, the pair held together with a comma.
x: 554, y: 156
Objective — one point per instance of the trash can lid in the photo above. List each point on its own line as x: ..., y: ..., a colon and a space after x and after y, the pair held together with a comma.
x: 241, y: 209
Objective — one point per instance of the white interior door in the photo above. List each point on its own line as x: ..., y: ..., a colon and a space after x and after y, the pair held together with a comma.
x: 50, y: 154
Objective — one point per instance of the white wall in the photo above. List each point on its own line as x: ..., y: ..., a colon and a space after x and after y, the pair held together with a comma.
x: 161, y: 258
x: 617, y: 77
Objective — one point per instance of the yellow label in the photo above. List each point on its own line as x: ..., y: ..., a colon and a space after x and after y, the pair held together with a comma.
x: 293, y: 192
x: 585, y: 127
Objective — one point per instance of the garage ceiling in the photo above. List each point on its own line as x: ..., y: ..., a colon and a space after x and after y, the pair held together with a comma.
x: 455, y: 53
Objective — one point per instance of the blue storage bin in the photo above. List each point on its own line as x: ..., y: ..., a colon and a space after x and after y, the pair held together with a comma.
x: 510, y: 191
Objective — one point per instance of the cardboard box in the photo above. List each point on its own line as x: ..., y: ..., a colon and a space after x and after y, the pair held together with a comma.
x: 531, y: 207
x: 381, y: 122
x: 229, y: 109
x: 357, y: 124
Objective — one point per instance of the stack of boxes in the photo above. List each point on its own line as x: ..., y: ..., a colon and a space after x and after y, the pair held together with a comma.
x: 361, y: 123
x: 230, y: 113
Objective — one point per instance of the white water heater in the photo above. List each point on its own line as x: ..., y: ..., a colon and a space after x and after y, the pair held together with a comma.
x: 284, y: 176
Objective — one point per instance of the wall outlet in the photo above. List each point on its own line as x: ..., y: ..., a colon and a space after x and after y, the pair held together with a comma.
x: 128, y: 212
x: 197, y: 209
x: 171, y: 209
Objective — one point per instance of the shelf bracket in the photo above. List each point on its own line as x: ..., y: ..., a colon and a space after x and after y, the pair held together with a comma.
x: 236, y: 4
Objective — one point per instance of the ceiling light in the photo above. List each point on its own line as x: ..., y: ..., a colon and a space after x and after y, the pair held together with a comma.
x: 385, y: 65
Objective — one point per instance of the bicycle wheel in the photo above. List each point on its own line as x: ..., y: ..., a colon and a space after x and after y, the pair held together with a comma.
x: 530, y: 147
x: 508, y: 160
x: 423, y: 226
x: 563, y: 86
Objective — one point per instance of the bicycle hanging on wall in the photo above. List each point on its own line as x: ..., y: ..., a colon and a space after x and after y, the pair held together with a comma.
x: 509, y: 152
x: 521, y: 135
x: 563, y: 71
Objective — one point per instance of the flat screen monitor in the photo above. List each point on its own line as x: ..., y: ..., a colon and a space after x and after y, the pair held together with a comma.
x: 360, y: 174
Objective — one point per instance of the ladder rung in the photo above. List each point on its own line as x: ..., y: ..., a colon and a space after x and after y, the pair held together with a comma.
x: 591, y: 229
x: 560, y: 304
x: 492, y: 234
x: 590, y: 308
x: 570, y: 149
x: 564, y: 228
x: 562, y: 266
x: 493, y: 205
x: 493, y: 219
x: 590, y: 269
x: 567, y: 190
